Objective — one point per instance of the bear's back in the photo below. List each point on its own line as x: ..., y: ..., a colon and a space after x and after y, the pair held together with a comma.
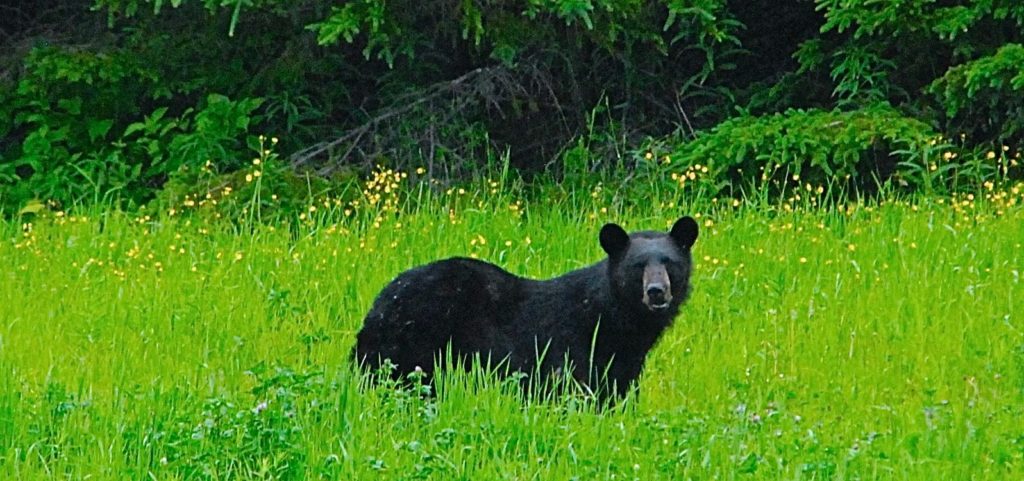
x: 468, y: 302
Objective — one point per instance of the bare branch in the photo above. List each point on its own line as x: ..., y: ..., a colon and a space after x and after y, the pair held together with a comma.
x: 489, y: 88
x: 353, y: 136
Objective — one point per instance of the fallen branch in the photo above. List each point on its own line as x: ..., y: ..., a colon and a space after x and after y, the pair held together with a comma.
x: 403, y: 106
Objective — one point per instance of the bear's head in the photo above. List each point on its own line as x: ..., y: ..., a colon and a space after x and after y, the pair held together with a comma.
x: 650, y: 271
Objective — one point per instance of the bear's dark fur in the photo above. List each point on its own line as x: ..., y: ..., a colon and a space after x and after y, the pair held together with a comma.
x: 631, y: 297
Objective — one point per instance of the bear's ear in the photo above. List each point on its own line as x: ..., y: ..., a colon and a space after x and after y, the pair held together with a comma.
x: 684, y: 232
x: 614, y: 239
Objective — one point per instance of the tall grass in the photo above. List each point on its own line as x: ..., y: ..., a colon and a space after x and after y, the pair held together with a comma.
x: 879, y: 341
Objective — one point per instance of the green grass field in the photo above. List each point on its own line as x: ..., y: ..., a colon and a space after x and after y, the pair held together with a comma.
x: 881, y: 341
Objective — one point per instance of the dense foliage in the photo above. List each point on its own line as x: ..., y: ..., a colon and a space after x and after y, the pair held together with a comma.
x: 109, y: 99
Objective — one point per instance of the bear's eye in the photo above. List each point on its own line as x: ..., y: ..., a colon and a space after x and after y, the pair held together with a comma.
x: 639, y: 265
x: 665, y: 260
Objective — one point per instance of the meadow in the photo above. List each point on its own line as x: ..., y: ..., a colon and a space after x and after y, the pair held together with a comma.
x: 863, y: 340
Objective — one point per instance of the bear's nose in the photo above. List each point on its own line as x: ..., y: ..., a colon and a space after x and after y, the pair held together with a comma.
x: 655, y: 291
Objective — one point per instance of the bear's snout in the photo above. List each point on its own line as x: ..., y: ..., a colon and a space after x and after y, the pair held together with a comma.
x: 656, y: 291
x: 657, y: 288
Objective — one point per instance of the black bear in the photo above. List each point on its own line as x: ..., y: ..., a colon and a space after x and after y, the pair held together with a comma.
x: 475, y: 308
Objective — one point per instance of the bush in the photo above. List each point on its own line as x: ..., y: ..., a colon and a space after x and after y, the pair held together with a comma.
x: 803, y: 146
x: 91, y: 128
x: 984, y: 98
x: 265, y: 189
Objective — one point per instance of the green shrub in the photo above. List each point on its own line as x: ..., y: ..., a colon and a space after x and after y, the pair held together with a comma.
x: 91, y: 128
x: 984, y: 98
x: 225, y: 435
x: 266, y: 188
x: 803, y: 146
x: 63, y: 110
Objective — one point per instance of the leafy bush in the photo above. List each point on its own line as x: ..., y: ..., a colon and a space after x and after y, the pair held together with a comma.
x: 890, y: 50
x: 984, y: 98
x: 803, y: 146
x: 264, y: 189
x: 87, y: 132
x: 228, y: 435
x: 64, y: 108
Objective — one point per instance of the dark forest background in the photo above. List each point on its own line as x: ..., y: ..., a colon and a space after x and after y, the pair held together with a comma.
x: 121, y: 100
